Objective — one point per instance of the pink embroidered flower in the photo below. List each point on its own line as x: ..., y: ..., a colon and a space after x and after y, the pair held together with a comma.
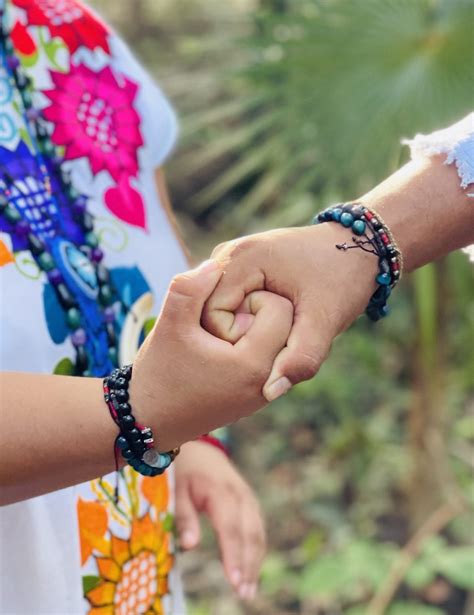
x: 69, y: 20
x: 94, y: 117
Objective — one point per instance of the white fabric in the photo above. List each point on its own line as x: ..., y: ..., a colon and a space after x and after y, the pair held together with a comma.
x: 457, y: 142
x: 39, y: 547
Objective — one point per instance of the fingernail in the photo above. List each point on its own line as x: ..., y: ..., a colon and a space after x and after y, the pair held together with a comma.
x: 243, y: 591
x: 188, y: 539
x: 208, y: 265
x: 277, y: 388
x: 235, y: 577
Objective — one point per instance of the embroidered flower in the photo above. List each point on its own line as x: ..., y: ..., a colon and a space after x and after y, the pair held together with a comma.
x: 29, y: 196
x: 133, y: 573
x: 69, y: 20
x: 22, y: 40
x: 94, y: 117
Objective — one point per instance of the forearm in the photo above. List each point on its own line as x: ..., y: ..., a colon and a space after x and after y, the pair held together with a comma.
x: 56, y: 432
x: 426, y: 209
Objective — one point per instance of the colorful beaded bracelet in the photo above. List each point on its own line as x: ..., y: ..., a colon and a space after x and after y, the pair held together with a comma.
x: 372, y: 235
x: 134, y: 440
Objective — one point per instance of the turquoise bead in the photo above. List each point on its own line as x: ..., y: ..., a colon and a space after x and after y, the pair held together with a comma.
x: 105, y: 295
x: 113, y: 355
x: 73, y: 318
x: 11, y: 214
x: 45, y: 261
x: 358, y: 227
x: 144, y: 469
x: 27, y: 99
x: 165, y: 461
x: 383, y: 279
x: 91, y: 240
x: 347, y: 219
x: 336, y: 214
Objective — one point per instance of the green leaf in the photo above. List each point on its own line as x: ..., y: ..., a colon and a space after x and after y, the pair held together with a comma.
x: 413, y: 608
x: 326, y: 578
x: 464, y: 427
x: 148, y: 326
x: 275, y: 573
x: 29, y: 60
x: 168, y: 523
x: 64, y: 367
x: 89, y: 582
x: 420, y: 574
x: 457, y: 565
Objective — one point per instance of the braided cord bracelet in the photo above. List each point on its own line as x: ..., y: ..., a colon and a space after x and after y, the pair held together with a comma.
x: 371, y: 234
x: 134, y: 441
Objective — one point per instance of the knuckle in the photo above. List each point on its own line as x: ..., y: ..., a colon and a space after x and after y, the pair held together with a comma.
x: 307, y: 364
x: 219, y: 249
x: 181, y: 285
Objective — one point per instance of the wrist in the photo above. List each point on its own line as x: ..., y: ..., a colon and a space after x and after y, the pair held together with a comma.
x: 426, y: 209
x: 350, y: 275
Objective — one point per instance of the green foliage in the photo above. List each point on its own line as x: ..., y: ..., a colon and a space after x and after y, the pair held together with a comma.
x: 325, y: 93
x: 349, y: 574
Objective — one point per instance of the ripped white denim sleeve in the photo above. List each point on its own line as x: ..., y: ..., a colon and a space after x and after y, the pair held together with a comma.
x: 457, y: 142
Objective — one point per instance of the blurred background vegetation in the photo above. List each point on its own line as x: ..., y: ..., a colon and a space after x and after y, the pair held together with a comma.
x: 365, y: 473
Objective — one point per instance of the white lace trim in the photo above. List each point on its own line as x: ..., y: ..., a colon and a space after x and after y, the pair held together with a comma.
x: 457, y: 142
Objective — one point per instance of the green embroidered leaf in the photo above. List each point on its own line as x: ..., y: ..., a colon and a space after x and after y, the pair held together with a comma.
x: 65, y: 367
x: 168, y: 523
x: 89, y: 582
x: 29, y: 60
x: 148, y: 326
x: 53, y: 48
x: 25, y: 136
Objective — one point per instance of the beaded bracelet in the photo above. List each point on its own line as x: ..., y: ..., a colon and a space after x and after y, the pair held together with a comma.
x: 134, y: 440
x: 372, y: 235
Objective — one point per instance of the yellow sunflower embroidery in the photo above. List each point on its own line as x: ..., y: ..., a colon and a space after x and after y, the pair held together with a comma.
x: 133, y: 576
x: 130, y: 574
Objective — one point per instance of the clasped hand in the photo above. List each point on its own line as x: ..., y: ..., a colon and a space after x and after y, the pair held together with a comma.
x: 244, y: 327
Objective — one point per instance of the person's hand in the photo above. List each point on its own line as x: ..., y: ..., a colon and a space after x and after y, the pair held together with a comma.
x: 429, y: 215
x: 208, y: 483
x: 329, y: 288
x: 187, y: 382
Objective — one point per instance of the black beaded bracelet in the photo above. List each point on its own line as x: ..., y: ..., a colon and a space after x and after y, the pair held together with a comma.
x: 134, y: 441
x: 372, y: 235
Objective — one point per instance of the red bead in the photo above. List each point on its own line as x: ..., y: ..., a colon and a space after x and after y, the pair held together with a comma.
x: 395, y: 266
x: 368, y: 215
x: 384, y: 238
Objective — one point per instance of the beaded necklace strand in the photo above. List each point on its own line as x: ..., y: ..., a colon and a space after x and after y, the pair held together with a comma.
x: 39, y: 238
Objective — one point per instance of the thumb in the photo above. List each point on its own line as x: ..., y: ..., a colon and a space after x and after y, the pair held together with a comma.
x: 187, y: 517
x: 188, y: 292
x: 307, y: 347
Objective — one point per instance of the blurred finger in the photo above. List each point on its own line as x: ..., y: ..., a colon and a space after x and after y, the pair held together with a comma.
x: 187, y: 517
x: 254, y: 549
x: 224, y: 515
